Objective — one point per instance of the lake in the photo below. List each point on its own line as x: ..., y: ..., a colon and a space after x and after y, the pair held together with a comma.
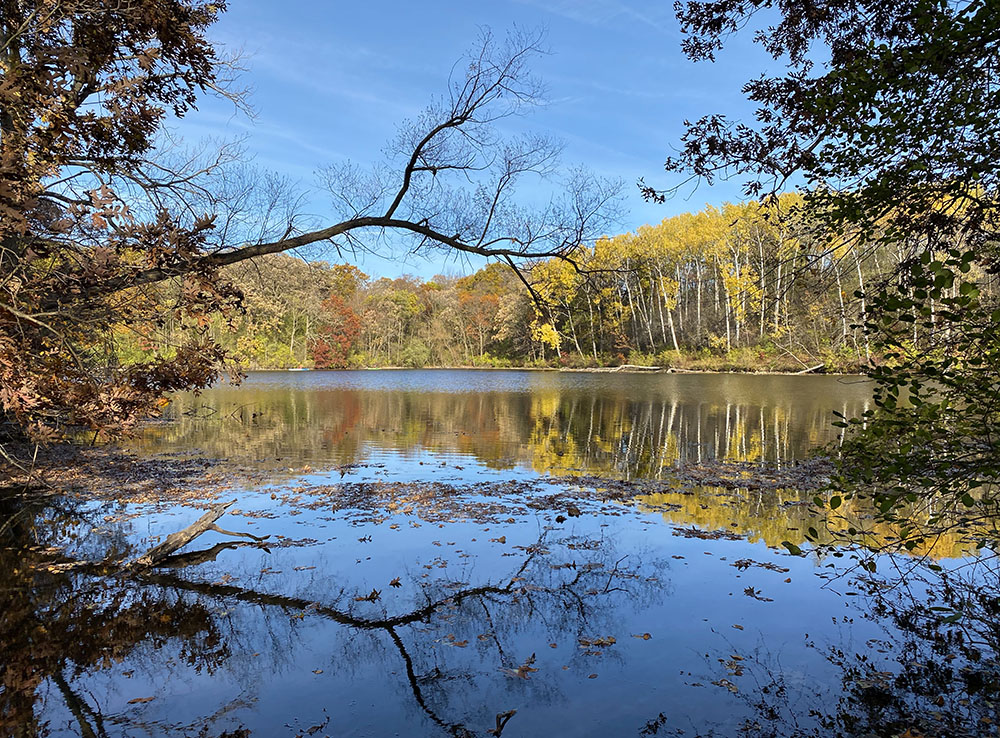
x: 463, y: 553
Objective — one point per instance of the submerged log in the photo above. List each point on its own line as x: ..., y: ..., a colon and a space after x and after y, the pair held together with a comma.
x: 181, y: 538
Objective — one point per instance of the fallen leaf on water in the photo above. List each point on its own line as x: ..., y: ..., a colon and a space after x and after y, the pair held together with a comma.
x: 643, y: 636
x: 141, y: 700
x: 502, y: 720
x: 738, y: 627
x: 756, y: 594
x: 592, y: 676
x: 743, y: 564
x: 395, y: 583
x: 523, y: 670
x: 501, y: 539
x: 317, y: 671
x: 587, y: 642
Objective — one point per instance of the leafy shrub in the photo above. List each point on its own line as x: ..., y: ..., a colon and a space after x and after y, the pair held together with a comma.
x: 415, y: 354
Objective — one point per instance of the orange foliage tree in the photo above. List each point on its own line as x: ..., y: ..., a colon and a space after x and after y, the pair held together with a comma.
x: 337, y: 335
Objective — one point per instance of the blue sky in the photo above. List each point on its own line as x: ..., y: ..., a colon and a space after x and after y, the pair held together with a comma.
x: 333, y: 81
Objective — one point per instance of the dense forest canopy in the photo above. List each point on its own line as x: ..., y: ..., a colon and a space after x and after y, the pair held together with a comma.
x: 745, y: 286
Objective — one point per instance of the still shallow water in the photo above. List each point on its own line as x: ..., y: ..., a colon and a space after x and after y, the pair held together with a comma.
x: 426, y: 574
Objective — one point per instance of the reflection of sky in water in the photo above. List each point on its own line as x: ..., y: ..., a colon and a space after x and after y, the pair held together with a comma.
x: 629, y: 577
x: 630, y: 425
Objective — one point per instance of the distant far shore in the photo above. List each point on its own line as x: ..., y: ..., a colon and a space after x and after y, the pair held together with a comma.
x: 622, y: 369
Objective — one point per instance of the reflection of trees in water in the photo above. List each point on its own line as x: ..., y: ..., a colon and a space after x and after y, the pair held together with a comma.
x: 933, y: 671
x: 777, y: 515
x: 551, y: 430
x: 55, y: 625
x: 62, y: 629
x: 771, y: 516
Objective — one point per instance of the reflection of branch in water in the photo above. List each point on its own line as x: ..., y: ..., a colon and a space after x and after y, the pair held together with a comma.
x: 456, y: 729
x: 79, y: 708
x: 493, y: 633
x: 388, y: 624
x: 535, y: 586
x: 193, y: 558
x: 924, y: 676
x: 252, y: 596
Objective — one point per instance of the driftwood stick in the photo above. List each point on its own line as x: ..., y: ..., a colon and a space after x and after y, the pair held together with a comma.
x: 182, y: 537
x: 810, y: 369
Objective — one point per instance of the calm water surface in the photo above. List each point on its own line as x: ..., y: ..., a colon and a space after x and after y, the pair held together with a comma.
x: 632, y: 425
x: 423, y: 577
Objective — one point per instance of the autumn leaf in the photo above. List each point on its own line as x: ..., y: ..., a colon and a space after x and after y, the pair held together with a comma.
x: 523, y: 671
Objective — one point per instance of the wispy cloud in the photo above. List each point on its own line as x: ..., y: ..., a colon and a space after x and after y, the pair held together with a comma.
x: 264, y: 132
x: 601, y: 12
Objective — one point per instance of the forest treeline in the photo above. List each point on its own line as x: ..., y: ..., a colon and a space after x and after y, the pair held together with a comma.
x: 743, y: 286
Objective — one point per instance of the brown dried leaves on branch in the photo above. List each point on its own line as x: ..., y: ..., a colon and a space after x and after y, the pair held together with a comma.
x: 70, y: 245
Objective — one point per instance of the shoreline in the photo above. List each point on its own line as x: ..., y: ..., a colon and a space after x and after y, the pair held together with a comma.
x: 572, y: 370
